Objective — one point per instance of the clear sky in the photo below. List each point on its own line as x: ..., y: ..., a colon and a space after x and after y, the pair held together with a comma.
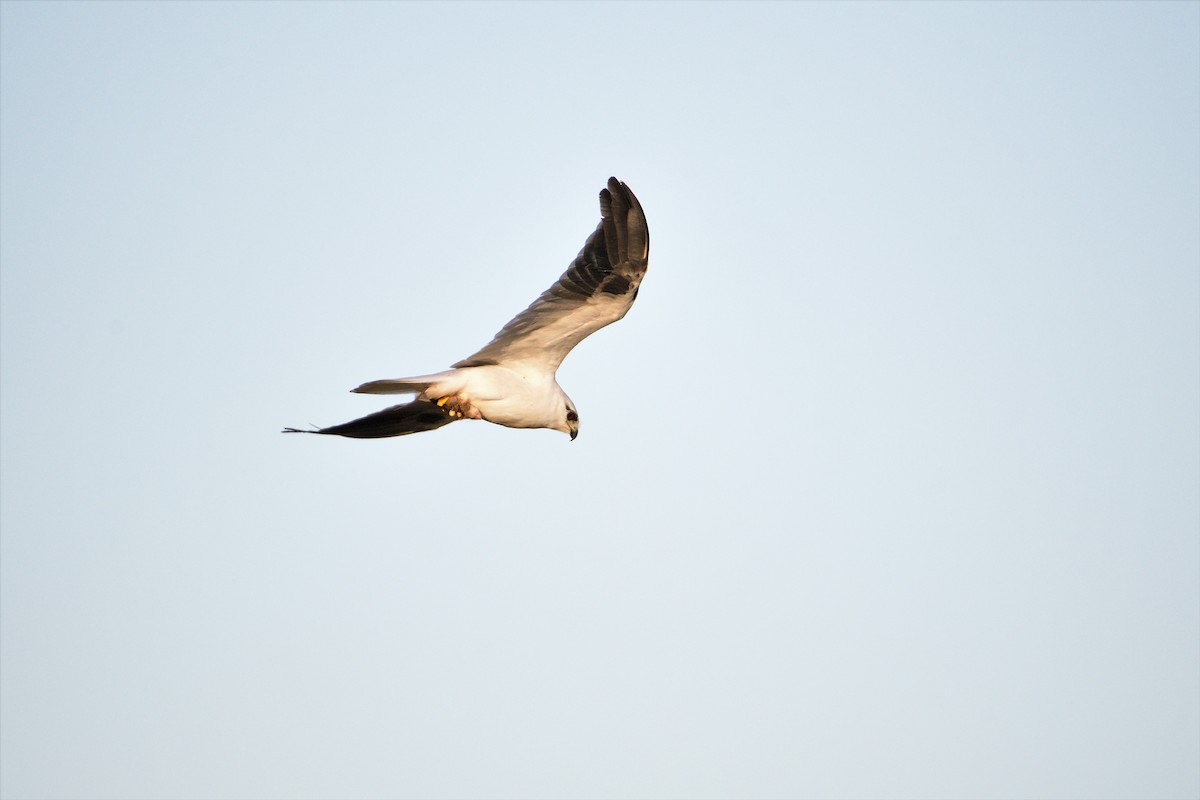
x: 887, y: 487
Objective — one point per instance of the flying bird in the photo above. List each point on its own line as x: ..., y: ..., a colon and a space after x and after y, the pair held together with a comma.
x: 511, y: 381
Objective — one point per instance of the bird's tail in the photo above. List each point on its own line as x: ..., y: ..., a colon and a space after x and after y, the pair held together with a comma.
x: 414, y: 385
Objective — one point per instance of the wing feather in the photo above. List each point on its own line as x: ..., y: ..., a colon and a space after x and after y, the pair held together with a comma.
x: 596, y: 290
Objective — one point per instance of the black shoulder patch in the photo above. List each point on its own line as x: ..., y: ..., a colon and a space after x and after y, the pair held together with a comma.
x: 615, y: 284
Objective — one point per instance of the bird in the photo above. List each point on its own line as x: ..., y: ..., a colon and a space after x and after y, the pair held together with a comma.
x: 511, y: 380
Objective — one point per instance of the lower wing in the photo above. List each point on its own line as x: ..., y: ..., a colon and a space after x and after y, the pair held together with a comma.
x: 414, y: 417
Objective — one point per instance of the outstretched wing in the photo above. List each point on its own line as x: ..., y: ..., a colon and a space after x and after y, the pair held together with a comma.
x: 596, y: 290
x: 414, y: 417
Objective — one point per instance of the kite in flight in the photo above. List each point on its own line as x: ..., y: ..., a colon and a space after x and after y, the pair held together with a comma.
x: 511, y: 380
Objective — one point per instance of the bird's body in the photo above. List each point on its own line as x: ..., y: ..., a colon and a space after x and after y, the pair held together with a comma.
x: 511, y: 381
x: 514, y: 394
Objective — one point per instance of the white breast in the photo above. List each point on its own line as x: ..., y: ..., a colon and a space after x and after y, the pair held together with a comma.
x: 508, y: 397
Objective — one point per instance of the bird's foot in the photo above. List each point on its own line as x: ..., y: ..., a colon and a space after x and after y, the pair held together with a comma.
x: 458, y: 407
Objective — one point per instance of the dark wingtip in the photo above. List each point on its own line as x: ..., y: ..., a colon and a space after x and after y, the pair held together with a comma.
x: 620, y: 189
x: 614, y: 187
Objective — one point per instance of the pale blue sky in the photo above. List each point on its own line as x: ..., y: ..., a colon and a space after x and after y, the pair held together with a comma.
x: 887, y: 487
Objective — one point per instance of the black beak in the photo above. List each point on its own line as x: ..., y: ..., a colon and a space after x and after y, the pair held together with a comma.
x: 574, y: 433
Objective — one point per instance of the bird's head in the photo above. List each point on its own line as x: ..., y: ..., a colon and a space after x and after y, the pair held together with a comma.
x: 567, y: 418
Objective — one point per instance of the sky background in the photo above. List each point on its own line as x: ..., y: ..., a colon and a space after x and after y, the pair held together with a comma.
x: 887, y: 487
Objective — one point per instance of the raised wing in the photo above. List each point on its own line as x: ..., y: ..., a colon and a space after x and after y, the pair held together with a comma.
x: 596, y: 290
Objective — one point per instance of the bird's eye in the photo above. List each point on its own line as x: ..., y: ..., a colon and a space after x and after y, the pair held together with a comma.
x: 572, y: 416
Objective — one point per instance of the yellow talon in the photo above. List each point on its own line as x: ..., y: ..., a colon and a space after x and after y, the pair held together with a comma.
x: 442, y: 402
